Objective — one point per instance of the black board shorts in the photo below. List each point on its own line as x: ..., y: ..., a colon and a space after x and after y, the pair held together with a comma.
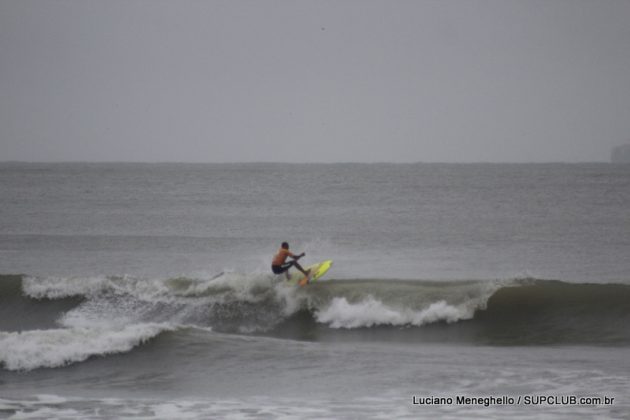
x: 279, y: 269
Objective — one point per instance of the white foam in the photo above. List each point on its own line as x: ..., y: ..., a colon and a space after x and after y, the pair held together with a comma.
x: 245, y: 286
x: 371, y: 312
x: 233, y: 408
x: 290, y: 298
x: 60, y: 287
x: 47, y: 413
x: 58, y: 347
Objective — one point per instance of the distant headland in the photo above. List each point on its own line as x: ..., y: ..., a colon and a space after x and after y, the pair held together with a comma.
x: 620, y: 154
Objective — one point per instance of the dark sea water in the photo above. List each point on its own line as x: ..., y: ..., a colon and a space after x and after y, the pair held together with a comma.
x: 144, y: 291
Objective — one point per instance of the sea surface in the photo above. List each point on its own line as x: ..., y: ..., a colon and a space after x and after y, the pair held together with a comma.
x: 144, y: 291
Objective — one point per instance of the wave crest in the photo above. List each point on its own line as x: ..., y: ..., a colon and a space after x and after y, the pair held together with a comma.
x: 58, y: 347
x: 372, y: 312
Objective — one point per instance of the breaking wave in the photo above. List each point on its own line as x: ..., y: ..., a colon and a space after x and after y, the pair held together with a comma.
x: 371, y: 312
x: 58, y: 347
x: 52, y: 321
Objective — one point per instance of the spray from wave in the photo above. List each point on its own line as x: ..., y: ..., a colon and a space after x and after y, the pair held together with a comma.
x: 106, y: 315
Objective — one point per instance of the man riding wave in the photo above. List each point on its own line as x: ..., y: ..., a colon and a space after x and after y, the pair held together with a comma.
x: 280, y: 265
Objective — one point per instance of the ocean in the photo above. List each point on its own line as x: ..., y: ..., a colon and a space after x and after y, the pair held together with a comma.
x: 144, y: 291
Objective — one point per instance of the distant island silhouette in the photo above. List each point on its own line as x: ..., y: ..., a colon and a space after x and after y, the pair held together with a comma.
x: 620, y: 154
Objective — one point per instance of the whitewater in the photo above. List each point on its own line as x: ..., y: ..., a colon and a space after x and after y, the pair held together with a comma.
x: 144, y: 290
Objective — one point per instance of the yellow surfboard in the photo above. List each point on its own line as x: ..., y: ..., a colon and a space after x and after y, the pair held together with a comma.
x: 317, y: 270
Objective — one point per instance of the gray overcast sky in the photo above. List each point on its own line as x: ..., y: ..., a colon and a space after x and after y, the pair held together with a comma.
x: 321, y: 81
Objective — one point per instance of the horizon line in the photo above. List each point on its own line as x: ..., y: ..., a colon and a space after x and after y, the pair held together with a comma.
x: 303, y: 163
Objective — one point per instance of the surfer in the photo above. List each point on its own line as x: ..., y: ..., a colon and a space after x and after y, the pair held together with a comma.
x: 279, y: 264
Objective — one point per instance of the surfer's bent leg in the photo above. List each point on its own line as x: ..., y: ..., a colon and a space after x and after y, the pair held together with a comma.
x: 299, y: 267
x: 277, y: 269
x: 286, y: 267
